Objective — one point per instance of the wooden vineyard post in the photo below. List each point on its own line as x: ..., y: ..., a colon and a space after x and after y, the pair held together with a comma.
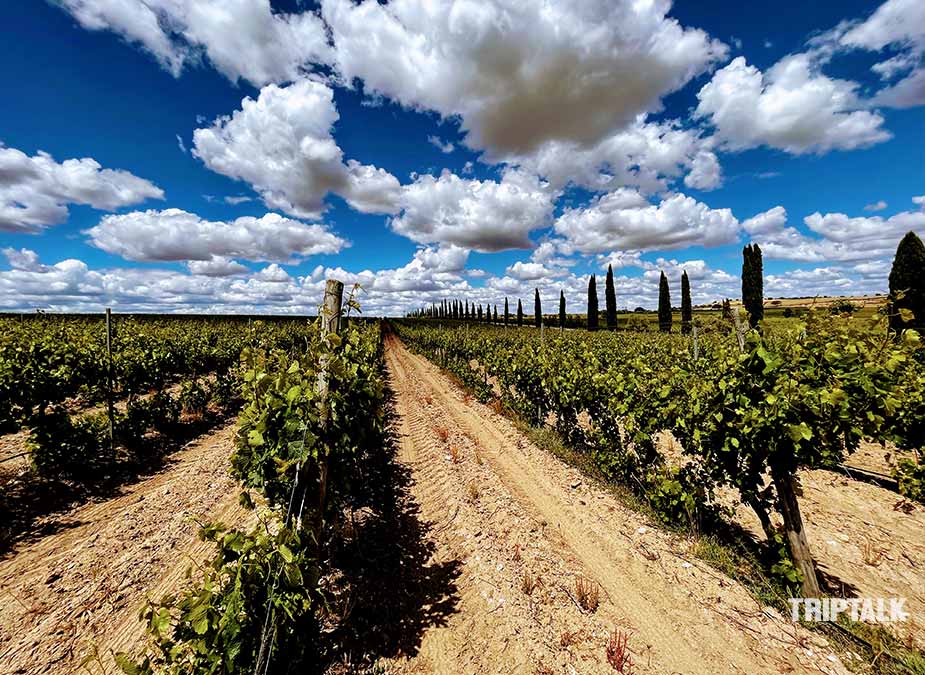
x: 796, y: 534
x: 740, y: 330
x: 330, y: 323
x: 696, y: 346
x: 109, y: 405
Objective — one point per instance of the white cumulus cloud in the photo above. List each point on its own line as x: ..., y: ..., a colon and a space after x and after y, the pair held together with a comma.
x: 623, y: 219
x: 35, y: 191
x: 520, y: 72
x: 791, y: 107
x: 281, y: 144
x: 173, y: 234
x: 243, y: 39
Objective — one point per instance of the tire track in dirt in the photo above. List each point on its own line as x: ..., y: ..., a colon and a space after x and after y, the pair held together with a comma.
x: 529, y: 514
x: 83, y: 586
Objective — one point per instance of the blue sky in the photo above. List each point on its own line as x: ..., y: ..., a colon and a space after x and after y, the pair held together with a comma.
x: 470, y: 149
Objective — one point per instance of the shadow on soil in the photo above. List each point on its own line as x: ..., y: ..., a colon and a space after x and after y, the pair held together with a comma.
x: 32, y: 507
x: 395, y: 590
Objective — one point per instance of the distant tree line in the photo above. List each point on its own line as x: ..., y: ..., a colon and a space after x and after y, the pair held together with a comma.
x: 905, y: 306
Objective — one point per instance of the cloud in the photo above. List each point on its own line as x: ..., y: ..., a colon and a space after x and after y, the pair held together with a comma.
x: 473, y: 214
x: 645, y: 155
x: 173, y: 234
x: 792, y: 107
x: 519, y: 74
x: 243, y: 39
x: 838, y: 236
x: 623, y: 219
x: 239, y: 199
x: 443, y: 258
x: 273, y: 273
x: 218, y: 266
x: 772, y: 220
x: 35, y: 191
x: 876, y: 206
x: 529, y: 271
x: 181, y: 144
x: 23, y: 259
x: 705, y: 172
x: 281, y: 145
x: 920, y: 200
x: 900, y: 25
x: 444, y: 147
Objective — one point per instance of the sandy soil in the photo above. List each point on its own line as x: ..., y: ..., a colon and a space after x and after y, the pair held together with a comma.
x: 511, y: 514
x: 82, y: 587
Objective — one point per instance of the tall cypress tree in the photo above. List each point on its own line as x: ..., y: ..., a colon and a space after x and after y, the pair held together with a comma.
x: 664, y: 305
x: 479, y: 314
x: 520, y: 313
x: 610, y: 300
x: 592, y: 303
x: 537, y: 308
x: 561, y: 309
x: 687, y: 311
x: 907, y: 277
x: 753, y: 284
x: 496, y: 313
x: 505, y: 312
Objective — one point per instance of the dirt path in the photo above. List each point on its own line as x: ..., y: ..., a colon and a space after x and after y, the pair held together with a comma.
x: 512, y: 515
x: 84, y: 585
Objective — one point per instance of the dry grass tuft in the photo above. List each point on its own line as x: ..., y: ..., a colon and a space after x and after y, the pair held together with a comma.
x: 528, y: 583
x: 569, y: 638
x: 455, y: 454
x: 588, y: 594
x: 474, y: 492
x: 618, y: 654
x: 442, y: 433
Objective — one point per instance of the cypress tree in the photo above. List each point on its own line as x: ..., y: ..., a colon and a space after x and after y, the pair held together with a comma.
x: 753, y: 284
x: 687, y: 311
x: 496, y: 313
x: 907, y: 277
x: 561, y: 309
x: 520, y: 313
x: 537, y: 308
x: 505, y: 311
x: 479, y: 316
x: 664, y: 305
x: 610, y: 300
x: 592, y: 303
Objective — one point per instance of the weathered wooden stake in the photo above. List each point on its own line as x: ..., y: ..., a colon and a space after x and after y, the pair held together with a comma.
x: 740, y: 330
x: 696, y: 346
x: 330, y: 323
x: 109, y: 405
x: 796, y: 534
